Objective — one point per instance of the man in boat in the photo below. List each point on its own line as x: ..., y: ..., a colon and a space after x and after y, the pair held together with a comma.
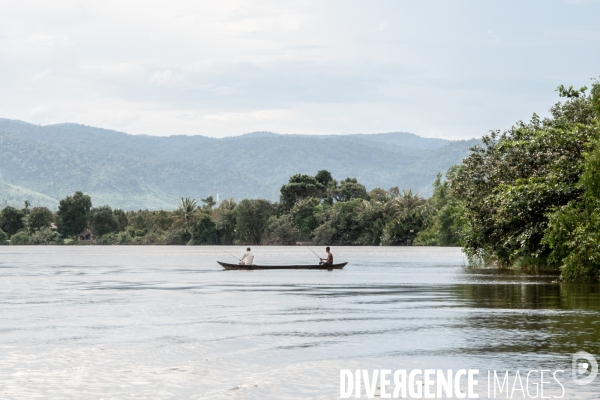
x: 247, y: 258
x: 329, y: 259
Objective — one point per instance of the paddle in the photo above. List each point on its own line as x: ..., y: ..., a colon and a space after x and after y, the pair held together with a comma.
x: 314, y: 252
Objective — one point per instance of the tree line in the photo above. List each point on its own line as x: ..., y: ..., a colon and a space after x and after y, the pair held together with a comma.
x: 527, y: 197
x: 312, y: 209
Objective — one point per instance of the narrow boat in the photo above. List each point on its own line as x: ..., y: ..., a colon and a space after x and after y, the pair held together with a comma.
x: 237, y: 266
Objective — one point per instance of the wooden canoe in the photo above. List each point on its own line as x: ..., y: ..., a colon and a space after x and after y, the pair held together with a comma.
x: 246, y: 267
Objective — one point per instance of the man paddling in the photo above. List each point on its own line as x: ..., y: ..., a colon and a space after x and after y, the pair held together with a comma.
x: 329, y: 259
x: 247, y: 258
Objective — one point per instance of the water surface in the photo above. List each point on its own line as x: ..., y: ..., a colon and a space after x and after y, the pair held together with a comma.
x: 167, y: 322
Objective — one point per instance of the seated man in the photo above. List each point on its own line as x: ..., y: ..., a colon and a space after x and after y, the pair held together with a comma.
x: 247, y: 258
x: 329, y: 259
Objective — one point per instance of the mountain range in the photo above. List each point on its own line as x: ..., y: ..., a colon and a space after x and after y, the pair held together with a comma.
x: 46, y: 163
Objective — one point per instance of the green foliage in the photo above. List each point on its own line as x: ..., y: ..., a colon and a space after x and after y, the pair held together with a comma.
x: 282, y: 231
x: 300, y: 187
x: 3, y: 238
x: 151, y: 220
x: 186, y: 208
x: 73, y: 212
x: 209, y: 203
x: 252, y: 220
x: 19, y: 239
x: 338, y: 224
x: 444, y: 223
x: 122, y: 238
x: 26, y: 205
x: 102, y: 220
x: 595, y: 94
x: 122, y: 220
x: 226, y: 221
x: 408, y: 215
x: 205, y: 231
x: 45, y: 236
x: 350, y: 189
x: 178, y: 236
x: 324, y: 177
x: 343, y: 214
x: 153, y: 238
x: 520, y: 195
x: 303, y: 213
x: 38, y: 218
x: 11, y: 220
x: 573, y: 232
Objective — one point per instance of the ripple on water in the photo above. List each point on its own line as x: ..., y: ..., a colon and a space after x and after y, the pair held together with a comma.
x: 167, y: 322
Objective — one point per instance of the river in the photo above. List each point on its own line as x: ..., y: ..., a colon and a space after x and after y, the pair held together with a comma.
x: 81, y: 322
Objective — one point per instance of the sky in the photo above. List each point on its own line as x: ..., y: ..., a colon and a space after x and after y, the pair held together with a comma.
x: 448, y: 69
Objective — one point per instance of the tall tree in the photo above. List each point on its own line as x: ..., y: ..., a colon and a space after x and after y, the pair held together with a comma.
x: 209, y: 203
x: 300, y: 187
x: 73, y: 212
x: 324, y: 177
x: 350, y: 189
x: 103, y: 220
x: 204, y: 231
x: 39, y: 217
x: 511, y: 184
x: 226, y: 221
x: 252, y: 217
x: 122, y: 219
x: 26, y: 203
x: 11, y: 220
x: 186, y: 207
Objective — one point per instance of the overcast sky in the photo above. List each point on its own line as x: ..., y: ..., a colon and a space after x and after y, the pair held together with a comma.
x: 452, y: 69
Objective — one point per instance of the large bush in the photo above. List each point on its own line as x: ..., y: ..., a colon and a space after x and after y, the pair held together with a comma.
x: 121, y: 238
x: 3, y: 238
x: 19, y: 239
x: 45, y: 236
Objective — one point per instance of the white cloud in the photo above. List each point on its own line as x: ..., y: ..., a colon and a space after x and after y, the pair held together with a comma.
x: 381, y: 27
x: 40, y: 75
x: 115, y: 70
x: 229, y: 67
x: 40, y: 115
x: 165, y: 78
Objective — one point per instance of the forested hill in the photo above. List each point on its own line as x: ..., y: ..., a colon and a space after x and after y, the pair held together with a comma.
x: 46, y: 163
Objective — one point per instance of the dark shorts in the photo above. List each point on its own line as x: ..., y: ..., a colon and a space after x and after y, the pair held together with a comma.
x: 325, y: 263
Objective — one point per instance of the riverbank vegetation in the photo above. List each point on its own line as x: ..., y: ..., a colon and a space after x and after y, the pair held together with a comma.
x: 528, y: 197
x: 312, y: 209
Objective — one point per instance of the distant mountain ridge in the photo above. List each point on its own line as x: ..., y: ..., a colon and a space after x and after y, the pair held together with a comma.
x: 404, y: 139
x: 46, y: 163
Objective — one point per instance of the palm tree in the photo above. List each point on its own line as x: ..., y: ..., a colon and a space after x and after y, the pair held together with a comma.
x: 186, y: 207
x: 406, y: 213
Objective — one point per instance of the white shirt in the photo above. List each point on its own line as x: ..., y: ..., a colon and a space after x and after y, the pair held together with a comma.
x: 248, y: 258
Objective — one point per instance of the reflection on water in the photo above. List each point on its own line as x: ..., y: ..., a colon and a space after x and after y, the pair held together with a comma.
x: 167, y: 322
